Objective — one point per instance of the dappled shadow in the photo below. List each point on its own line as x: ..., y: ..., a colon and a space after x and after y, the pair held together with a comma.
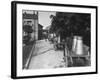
x: 43, y: 52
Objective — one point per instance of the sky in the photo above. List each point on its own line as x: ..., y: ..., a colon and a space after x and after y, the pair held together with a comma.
x: 43, y: 17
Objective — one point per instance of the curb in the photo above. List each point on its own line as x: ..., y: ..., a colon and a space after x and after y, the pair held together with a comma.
x: 29, y: 58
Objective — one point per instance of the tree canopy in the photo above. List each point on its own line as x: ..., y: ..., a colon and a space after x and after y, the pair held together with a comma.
x: 76, y: 23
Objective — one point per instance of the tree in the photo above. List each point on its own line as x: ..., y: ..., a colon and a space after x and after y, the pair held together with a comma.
x: 79, y: 23
x: 69, y: 23
x: 65, y: 24
x: 59, y: 24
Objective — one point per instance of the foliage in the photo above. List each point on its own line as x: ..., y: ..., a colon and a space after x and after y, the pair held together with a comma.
x: 70, y: 23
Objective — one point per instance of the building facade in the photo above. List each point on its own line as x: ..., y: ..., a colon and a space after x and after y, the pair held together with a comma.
x: 32, y: 21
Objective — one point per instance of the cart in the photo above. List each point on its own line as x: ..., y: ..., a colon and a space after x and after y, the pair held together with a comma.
x: 72, y: 59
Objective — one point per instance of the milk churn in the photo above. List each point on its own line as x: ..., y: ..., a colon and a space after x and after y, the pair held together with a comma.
x: 79, y: 46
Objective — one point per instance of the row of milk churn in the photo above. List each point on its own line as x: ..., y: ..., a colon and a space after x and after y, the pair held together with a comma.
x: 77, y: 46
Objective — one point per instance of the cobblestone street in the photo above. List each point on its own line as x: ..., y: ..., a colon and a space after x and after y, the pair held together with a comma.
x: 44, y: 56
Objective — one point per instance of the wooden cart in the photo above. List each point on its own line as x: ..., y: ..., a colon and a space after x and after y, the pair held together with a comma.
x: 74, y: 60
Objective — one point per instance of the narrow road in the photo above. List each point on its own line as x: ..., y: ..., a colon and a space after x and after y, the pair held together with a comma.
x: 44, y: 56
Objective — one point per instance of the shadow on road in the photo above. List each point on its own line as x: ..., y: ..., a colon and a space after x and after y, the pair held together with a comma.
x: 43, y: 52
